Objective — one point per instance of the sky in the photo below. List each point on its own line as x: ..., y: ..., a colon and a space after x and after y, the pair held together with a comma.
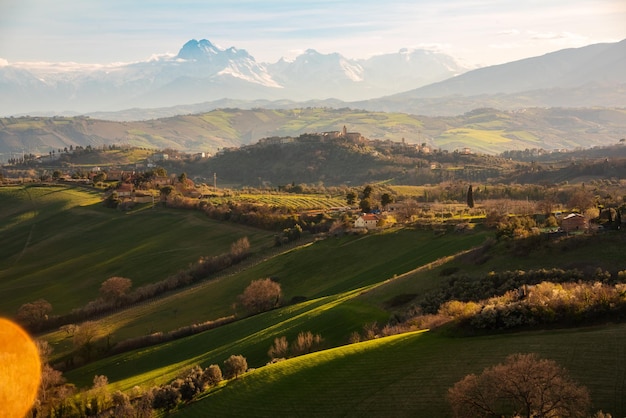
x: 477, y: 32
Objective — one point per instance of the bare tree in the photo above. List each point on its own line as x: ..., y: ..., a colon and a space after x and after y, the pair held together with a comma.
x: 261, y: 295
x: 524, y: 385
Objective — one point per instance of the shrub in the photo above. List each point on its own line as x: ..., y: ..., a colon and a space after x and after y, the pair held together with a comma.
x: 280, y: 349
x: 305, y: 343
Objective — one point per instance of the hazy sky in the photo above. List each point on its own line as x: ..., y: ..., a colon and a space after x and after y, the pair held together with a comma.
x: 477, y: 31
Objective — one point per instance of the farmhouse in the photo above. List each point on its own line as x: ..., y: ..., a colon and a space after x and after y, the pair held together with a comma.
x: 574, y: 222
x: 125, y: 190
x: 367, y: 221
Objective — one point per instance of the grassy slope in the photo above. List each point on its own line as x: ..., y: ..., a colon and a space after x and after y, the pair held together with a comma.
x: 62, y: 244
x: 331, y: 316
x: 401, y: 376
x: 328, y: 268
x: 602, y: 251
x: 408, y: 375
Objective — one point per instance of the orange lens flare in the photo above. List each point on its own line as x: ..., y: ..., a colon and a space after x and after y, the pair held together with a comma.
x: 20, y: 370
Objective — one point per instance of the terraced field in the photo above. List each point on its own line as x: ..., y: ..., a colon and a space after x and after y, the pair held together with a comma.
x: 298, y: 202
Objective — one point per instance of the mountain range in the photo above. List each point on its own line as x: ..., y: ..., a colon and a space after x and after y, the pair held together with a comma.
x: 202, y: 72
x: 203, y: 77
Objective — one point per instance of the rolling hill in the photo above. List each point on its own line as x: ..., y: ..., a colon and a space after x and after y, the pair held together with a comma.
x: 483, y: 130
x: 334, y: 287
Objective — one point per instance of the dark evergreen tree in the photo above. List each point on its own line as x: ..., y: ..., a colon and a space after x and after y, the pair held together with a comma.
x: 470, y: 197
x: 367, y: 192
x: 385, y: 199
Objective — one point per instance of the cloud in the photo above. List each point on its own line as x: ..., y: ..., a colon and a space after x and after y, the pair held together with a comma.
x: 508, y: 32
x: 505, y: 46
x: 3, y: 62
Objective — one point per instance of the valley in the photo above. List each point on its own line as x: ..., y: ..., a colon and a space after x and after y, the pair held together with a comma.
x: 312, y: 209
x: 362, y: 292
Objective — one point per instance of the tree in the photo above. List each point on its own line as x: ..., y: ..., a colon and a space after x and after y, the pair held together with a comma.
x: 367, y: 192
x: 166, y: 190
x: 114, y: 288
x: 234, y: 366
x: 524, y: 385
x: 261, y: 295
x: 470, y: 197
x: 365, y: 205
x: 166, y: 398
x: 34, y: 314
x: 122, y: 407
x: 385, y: 199
x: 212, y: 375
x: 85, y: 337
x: 350, y: 198
x: 100, y: 177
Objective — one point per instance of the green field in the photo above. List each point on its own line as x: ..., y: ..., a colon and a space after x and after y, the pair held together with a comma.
x: 408, y: 375
x: 324, y: 269
x: 60, y: 243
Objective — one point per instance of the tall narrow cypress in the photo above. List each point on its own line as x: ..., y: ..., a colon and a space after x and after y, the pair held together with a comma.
x: 470, y: 197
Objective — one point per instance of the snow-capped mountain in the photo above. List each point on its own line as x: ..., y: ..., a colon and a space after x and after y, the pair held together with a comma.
x: 202, y: 71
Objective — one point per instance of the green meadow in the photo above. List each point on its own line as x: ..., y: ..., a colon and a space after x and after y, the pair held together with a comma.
x: 324, y: 268
x: 60, y: 243
x: 408, y: 375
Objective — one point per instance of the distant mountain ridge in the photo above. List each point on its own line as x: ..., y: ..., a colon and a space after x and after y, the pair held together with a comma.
x: 567, y: 68
x: 202, y: 71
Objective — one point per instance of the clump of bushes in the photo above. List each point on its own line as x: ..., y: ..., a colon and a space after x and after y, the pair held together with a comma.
x: 545, y: 303
x: 306, y: 342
